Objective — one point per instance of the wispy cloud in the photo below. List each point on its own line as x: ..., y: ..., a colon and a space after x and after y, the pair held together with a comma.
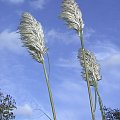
x: 71, y: 63
x: 67, y: 63
x: 114, y: 60
x: 58, y: 36
x: 107, y: 53
x: 72, y: 89
x: 38, y: 4
x: 68, y: 37
x: 25, y: 110
x: 28, y: 112
x: 14, y: 1
x: 88, y: 32
x: 9, y: 40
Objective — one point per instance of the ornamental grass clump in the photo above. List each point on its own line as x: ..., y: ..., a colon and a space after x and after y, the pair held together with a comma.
x: 32, y: 37
x: 72, y: 16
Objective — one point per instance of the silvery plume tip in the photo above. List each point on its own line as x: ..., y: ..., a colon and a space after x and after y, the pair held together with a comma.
x: 93, y: 68
x: 32, y: 36
x: 72, y: 15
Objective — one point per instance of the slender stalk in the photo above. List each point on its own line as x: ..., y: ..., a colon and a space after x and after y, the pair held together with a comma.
x: 88, y: 84
x: 99, y: 100
x: 49, y: 91
x: 95, y: 84
x: 95, y: 101
x: 44, y: 114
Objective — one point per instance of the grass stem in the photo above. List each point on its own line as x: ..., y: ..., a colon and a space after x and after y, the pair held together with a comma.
x: 87, y: 79
x: 49, y: 91
x: 99, y: 100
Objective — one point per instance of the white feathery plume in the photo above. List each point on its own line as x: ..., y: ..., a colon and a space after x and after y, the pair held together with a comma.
x: 92, y: 66
x: 72, y: 15
x: 32, y: 36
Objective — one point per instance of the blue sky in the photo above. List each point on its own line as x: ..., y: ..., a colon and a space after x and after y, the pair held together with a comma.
x: 23, y: 78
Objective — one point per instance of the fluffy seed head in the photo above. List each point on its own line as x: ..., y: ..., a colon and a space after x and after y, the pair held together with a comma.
x: 72, y: 15
x: 92, y: 66
x: 32, y: 36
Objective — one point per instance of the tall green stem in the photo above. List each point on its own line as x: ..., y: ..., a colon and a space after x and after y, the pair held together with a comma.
x: 87, y: 79
x: 95, y: 85
x: 95, y: 101
x: 49, y: 91
x: 99, y: 100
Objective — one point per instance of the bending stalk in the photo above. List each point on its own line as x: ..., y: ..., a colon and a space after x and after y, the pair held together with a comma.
x: 95, y: 101
x: 88, y: 84
x: 49, y: 91
x: 99, y: 100
x: 95, y: 85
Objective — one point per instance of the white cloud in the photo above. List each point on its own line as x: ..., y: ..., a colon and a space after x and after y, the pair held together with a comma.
x: 28, y: 112
x: 114, y: 60
x: 9, y: 40
x: 88, y: 32
x: 107, y: 53
x: 71, y: 90
x: 25, y: 110
x: 65, y: 37
x: 68, y: 63
x: 14, y: 1
x: 68, y: 37
x: 38, y: 4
